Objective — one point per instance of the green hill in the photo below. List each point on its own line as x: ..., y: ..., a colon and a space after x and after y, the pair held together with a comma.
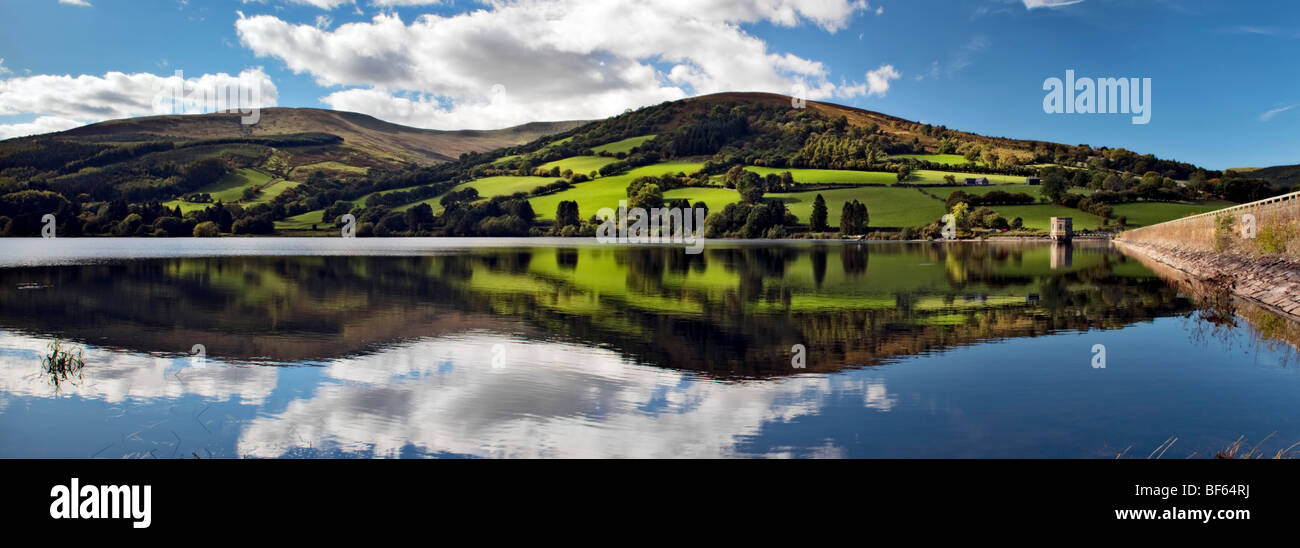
x: 1283, y: 176
x: 298, y: 166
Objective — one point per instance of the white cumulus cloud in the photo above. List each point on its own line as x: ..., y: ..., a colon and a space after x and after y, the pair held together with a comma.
x: 878, y: 80
x: 554, y: 59
x: 63, y: 101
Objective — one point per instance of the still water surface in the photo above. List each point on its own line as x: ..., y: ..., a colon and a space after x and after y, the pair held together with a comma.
x: 527, y: 348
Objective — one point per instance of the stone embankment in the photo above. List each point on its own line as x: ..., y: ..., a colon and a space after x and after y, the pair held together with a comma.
x: 1272, y: 281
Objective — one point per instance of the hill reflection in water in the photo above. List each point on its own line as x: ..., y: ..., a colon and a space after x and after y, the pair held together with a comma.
x: 911, y: 350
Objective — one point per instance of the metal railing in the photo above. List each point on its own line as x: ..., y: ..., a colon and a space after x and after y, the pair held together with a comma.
x: 1217, y: 212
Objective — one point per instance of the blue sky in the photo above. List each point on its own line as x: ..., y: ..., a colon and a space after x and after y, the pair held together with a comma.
x: 1225, y: 91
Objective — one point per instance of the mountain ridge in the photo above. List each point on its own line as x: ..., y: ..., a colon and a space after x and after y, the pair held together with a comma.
x: 406, y: 143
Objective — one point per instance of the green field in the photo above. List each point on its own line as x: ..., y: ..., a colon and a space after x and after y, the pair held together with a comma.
x: 607, y: 191
x: 714, y: 198
x: 581, y: 164
x: 273, y: 189
x: 303, y: 221
x: 889, y: 206
x: 894, y: 207
x: 944, y: 192
x: 948, y: 159
x: 626, y: 145
x: 925, y: 176
x: 559, y: 142
x: 229, y: 189
x: 186, y: 207
x: 1149, y: 213
x: 849, y: 177
x: 488, y: 187
x: 1039, y: 216
x: 829, y: 176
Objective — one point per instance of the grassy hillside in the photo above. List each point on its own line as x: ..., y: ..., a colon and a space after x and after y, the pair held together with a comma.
x: 1283, y: 176
x: 948, y: 159
x: 887, y: 207
x: 605, y: 191
x: 919, y: 177
x: 487, y: 187
x: 376, y: 138
x: 1149, y: 213
x: 230, y: 189
x: 295, y: 164
x: 581, y: 164
x: 624, y: 146
x: 1039, y: 216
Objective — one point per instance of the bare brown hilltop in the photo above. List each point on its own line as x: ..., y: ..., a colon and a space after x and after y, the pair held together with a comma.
x: 370, y: 135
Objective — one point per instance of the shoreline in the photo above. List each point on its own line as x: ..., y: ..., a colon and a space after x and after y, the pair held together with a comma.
x: 1271, y: 282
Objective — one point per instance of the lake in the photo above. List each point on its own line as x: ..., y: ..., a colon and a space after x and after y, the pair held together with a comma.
x: 556, y: 348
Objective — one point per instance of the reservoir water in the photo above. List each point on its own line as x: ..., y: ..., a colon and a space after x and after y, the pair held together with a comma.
x: 556, y: 348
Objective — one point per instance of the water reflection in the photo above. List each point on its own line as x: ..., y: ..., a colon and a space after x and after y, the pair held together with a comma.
x: 728, y: 311
x: 600, y: 352
x: 1062, y: 254
x: 561, y: 401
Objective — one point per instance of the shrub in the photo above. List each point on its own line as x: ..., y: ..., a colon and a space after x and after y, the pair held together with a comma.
x: 1223, y: 232
x: 130, y: 224
x: 1274, y: 238
x: 170, y: 226
x: 206, y: 229
x: 253, y: 225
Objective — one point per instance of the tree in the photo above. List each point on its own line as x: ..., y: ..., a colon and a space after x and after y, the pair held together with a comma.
x: 961, y: 215
x: 1113, y: 183
x: 990, y: 157
x: 904, y: 172
x: 853, y: 218
x: 1055, y: 186
x: 130, y: 225
x: 819, y: 213
x: 419, y: 217
x: 733, y: 177
x: 772, y: 182
x: 170, y: 226
x: 703, y: 206
x: 206, y: 229
x: 566, y: 214
x: 750, y: 188
x: 252, y: 225
x: 27, y: 208
x: 391, y: 224
x: 203, y: 172
x: 647, y: 197
x: 787, y: 181
x: 523, y: 209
